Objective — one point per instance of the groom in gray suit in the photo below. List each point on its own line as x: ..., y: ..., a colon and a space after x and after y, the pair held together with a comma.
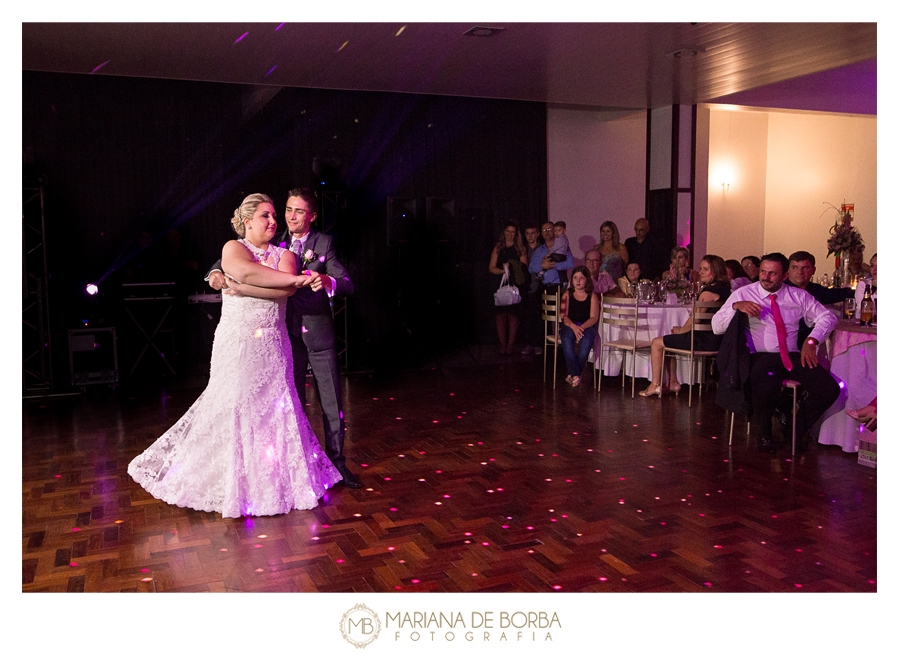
x: 310, y: 323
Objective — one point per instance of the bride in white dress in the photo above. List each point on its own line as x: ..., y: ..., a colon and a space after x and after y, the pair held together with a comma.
x: 245, y: 447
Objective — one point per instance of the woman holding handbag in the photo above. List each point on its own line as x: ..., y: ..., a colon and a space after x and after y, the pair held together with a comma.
x: 508, y: 256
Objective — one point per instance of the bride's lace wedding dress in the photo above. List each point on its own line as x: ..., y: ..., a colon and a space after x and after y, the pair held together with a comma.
x: 244, y: 448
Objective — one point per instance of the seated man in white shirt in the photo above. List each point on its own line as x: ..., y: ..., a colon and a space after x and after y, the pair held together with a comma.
x: 772, y: 330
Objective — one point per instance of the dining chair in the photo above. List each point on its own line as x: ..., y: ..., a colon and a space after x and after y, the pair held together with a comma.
x: 621, y: 314
x: 701, y: 314
x: 550, y: 316
x: 787, y: 383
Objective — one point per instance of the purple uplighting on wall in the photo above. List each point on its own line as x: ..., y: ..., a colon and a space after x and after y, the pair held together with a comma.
x: 272, y: 69
x: 241, y: 37
x: 279, y: 27
x: 97, y: 68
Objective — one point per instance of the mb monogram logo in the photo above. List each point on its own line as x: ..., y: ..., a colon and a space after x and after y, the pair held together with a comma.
x: 360, y: 626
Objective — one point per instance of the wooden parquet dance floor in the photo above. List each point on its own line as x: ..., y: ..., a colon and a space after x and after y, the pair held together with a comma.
x: 475, y: 479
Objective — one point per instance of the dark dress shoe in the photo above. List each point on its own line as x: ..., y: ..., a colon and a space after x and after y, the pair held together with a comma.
x: 766, y: 445
x: 349, y: 480
x: 784, y: 417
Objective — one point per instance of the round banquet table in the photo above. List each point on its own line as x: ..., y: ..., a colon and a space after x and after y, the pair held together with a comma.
x: 653, y: 320
x: 853, y: 352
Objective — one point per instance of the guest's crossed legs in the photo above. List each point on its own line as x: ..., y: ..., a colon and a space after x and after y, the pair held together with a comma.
x: 766, y: 375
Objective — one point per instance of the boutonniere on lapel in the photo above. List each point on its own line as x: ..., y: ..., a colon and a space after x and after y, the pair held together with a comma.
x: 308, y: 257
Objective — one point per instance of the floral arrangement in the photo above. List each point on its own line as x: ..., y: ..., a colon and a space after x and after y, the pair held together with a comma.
x: 844, y: 238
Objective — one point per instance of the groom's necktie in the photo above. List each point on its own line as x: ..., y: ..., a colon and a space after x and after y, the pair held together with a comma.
x: 781, y: 331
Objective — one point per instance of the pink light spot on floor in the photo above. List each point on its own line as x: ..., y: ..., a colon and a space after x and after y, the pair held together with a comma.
x: 76, y: 529
x: 484, y: 543
x: 438, y: 503
x: 439, y: 471
x: 397, y: 587
x: 504, y: 526
x: 259, y: 571
x: 73, y: 564
x: 144, y: 570
x: 364, y: 465
x: 557, y: 587
x: 393, y: 509
x: 797, y: 585
x: 57, y: 476
x: 499, y: 489
x: 223, y: 550
x: 387, y: 478
x: 601, y: 578
x: 531, y: 527
x: 391, y: 548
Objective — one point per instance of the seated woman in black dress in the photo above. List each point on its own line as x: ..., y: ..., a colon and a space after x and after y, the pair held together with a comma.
x: 714, y: 277
x: 580, y: 312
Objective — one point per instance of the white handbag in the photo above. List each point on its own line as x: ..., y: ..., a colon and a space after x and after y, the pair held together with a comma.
x: 506, y: 294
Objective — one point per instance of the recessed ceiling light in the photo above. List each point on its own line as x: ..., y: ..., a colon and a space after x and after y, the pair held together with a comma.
x: 481, y: 31
x: 684, y: 53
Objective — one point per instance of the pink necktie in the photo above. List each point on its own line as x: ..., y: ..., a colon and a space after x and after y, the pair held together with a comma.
x: 781, y: 331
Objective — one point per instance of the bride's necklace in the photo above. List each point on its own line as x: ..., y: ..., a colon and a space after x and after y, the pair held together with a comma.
x: 261, y: 255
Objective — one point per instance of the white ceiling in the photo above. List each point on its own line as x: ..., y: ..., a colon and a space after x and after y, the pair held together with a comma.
x: 814, y: 66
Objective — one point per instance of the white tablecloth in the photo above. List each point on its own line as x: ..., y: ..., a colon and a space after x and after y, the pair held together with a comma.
x: 657, y: 321
x: 856, y: 370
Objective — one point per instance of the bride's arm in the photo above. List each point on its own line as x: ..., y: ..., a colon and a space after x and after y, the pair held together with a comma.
x: 286, y: 263
x: 238, y: 263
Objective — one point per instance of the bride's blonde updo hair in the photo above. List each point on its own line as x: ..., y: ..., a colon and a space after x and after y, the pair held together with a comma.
x: 246, y: 211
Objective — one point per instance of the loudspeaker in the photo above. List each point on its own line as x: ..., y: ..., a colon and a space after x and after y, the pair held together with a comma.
x: 404, y: 223
x: 93, y: 358
x: 440, y: 219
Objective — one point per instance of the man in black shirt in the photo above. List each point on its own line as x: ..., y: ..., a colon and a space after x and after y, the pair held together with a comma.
x: 644, y: 250
x: 801, y: 270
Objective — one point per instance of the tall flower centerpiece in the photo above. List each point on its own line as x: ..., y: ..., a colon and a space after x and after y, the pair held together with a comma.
x: 843, y: 239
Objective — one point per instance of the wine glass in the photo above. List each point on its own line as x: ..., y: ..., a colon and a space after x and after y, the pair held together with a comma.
x: 849, y: 307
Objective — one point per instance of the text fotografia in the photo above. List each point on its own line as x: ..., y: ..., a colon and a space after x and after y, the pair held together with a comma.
x: 482, y: 626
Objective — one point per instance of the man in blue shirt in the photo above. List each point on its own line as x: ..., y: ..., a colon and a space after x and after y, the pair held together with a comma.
x: 542, y: 265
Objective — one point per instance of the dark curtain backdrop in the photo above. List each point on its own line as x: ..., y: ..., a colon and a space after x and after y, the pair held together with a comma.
x: 127, y: 160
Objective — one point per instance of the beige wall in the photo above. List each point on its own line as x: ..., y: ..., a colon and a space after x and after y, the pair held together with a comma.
x: 735, y: 225
x: 779, y: 167
x: 596, y: 163
x: 814, y: 158
x: 783, y: 166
